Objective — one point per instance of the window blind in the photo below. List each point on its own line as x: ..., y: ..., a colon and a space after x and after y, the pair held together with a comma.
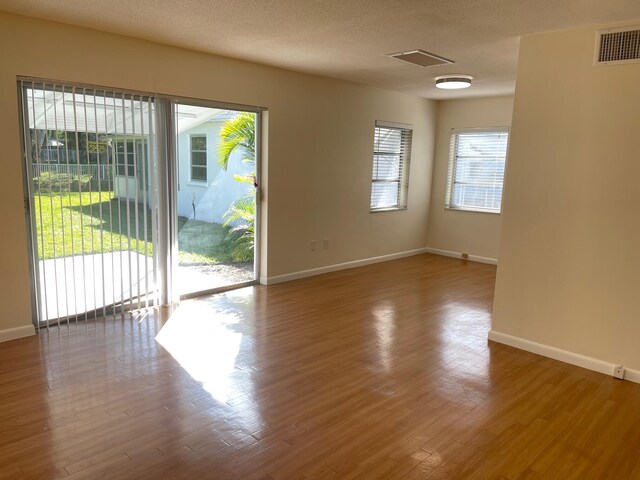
x: 92, y: 200
x: 476, y: 169
x: 391, y: 157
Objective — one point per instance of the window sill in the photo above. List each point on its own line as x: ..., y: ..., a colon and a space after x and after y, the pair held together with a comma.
x: 473, y: 210
x: 390, y: 209
x: 193, y: 183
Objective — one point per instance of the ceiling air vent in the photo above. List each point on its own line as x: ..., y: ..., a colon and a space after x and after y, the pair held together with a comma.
x: 618, y: 45
x: 421, y: 58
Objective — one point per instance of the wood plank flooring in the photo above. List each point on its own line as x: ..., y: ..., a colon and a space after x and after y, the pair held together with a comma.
x: 379, y: 372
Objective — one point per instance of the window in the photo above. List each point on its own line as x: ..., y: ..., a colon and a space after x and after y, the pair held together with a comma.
x: 391, y: 155
x: 129, y: 155
x: 198, y: 158
x: 476, y: 170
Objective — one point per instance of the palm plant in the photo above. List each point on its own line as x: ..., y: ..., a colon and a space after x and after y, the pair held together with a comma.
x: 242, y: 210
x: 238, y: 134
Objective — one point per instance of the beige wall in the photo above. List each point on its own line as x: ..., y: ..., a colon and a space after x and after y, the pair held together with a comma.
x: 569, y: 272
x: 320, y: 145
x: 453, y: 230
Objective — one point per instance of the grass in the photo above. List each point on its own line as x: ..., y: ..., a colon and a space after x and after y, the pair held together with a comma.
x: 202, y: 243
x: 72, y: 223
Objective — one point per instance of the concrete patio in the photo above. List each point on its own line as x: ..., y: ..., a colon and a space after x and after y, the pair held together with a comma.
x: 73, y: 285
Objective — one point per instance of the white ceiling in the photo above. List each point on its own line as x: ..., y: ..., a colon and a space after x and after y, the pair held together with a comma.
x: 346, y: 39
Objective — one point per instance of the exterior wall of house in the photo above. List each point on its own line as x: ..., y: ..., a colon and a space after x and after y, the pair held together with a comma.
x: 208, y: 201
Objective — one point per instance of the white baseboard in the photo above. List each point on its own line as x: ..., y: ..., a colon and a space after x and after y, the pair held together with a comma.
x: 18, y: 332
x: 632, y: 375
x: 339, y: 266
x: 566, y: 356
x: 473, y: 258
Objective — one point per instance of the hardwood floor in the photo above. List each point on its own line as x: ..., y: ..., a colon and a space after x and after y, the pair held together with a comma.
x: 379, y: 372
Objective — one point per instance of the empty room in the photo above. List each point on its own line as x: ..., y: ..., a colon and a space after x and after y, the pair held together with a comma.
x: 320, y: 240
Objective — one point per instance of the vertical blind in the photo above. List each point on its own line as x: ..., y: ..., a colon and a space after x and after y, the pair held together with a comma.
x: 93, y: 200
x: 476, y: 169
x: 391, y: 157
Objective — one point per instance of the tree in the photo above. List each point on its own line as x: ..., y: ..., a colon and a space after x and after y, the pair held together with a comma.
x: 238, y: 134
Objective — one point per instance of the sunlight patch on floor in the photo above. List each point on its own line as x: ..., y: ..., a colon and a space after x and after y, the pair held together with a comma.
x: 204, y: 346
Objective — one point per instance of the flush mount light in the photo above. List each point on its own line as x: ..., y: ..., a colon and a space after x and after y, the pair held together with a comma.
x: 453, y: 82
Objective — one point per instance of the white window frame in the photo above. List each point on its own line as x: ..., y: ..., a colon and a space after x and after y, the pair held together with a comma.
x: 405, y: 160
x: 453, y: 156
x: 191, y: 165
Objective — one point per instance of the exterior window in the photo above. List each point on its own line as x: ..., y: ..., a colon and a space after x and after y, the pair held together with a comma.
x: 476, y: 170
x: 129, y: 156
x: 198, y: 158
x: 391, y: 156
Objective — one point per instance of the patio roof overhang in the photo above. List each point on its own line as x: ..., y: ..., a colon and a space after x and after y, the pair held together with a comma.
x: 87, y: 111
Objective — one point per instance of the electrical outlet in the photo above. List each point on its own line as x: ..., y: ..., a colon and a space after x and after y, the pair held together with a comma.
x: 465, y: 255
x: 618, y: 371
x: 325, y: 243
x: 312, y: 246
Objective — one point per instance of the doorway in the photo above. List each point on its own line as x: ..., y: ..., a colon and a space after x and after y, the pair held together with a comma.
x: 216, y: 167
x: 128, y: 208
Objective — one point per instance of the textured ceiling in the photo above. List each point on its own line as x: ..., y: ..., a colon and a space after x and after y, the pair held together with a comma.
x: 346, y: 39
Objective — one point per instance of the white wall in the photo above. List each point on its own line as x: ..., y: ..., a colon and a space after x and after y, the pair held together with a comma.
x: 317, y: 167
x: 213, y: 198
x: 458, y: 231
x: 569, y: 266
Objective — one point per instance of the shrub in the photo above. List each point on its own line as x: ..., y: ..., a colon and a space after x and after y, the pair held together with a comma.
x: 61, y: 182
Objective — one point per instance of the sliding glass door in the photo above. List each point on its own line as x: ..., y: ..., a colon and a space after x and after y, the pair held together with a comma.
x: 91, y: 200
x: 216, y: 202
x: 133, y: 200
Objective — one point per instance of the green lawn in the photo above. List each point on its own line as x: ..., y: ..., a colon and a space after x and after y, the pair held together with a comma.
x: 72, y: 223
x: 201, y: 243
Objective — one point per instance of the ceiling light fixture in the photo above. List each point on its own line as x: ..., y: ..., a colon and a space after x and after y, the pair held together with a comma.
x: 453, y: 82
